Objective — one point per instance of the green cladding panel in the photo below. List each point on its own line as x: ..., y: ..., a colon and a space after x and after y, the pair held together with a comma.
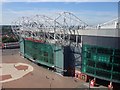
x: 59, y: 59
x: 101, y: 62
x: 45, y: 54
x: 41, y: 53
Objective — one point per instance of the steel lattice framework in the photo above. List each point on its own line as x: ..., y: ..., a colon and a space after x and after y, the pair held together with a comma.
x: 110, y: 24
x: 57, y: 30
x: 50, y: 30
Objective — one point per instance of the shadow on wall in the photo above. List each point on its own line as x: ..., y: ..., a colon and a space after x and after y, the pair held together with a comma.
x: 70, y: 60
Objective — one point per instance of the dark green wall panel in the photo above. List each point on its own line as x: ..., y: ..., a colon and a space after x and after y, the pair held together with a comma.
x: 101, y: 62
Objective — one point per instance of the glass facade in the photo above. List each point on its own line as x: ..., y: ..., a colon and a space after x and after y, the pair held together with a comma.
x: 101, y: 62
x: 37, y: 51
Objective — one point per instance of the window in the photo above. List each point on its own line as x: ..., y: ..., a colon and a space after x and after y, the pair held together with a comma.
x: 45, y: 54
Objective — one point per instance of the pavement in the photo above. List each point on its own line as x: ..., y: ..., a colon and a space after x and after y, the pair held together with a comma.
x: 13, y: 71
x: 40, y: 77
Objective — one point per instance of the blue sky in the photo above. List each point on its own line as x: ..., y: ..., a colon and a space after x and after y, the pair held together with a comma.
x: 90, y: 12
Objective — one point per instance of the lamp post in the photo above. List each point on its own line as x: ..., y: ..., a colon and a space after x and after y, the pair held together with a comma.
x: 89, y: 84
x: 51, y: 82
x: 50, y: 79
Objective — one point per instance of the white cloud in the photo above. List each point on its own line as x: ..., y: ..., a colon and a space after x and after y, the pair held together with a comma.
x: 11, y: 15
x: 96, y: 17
x: 91, y: 17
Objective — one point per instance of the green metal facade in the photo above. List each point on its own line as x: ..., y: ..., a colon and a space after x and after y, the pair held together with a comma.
x: 59, y: 59
x: 42, y: 53
x: 45, y: 54
x: 101, y: 62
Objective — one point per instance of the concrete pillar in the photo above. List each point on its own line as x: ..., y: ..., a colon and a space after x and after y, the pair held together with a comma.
x: 98, y: 26
x: 81, y: 41
x: 116, y: 25
x: 76, y: 40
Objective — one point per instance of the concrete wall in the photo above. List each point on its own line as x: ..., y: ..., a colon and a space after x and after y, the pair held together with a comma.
x: 110, y: 42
